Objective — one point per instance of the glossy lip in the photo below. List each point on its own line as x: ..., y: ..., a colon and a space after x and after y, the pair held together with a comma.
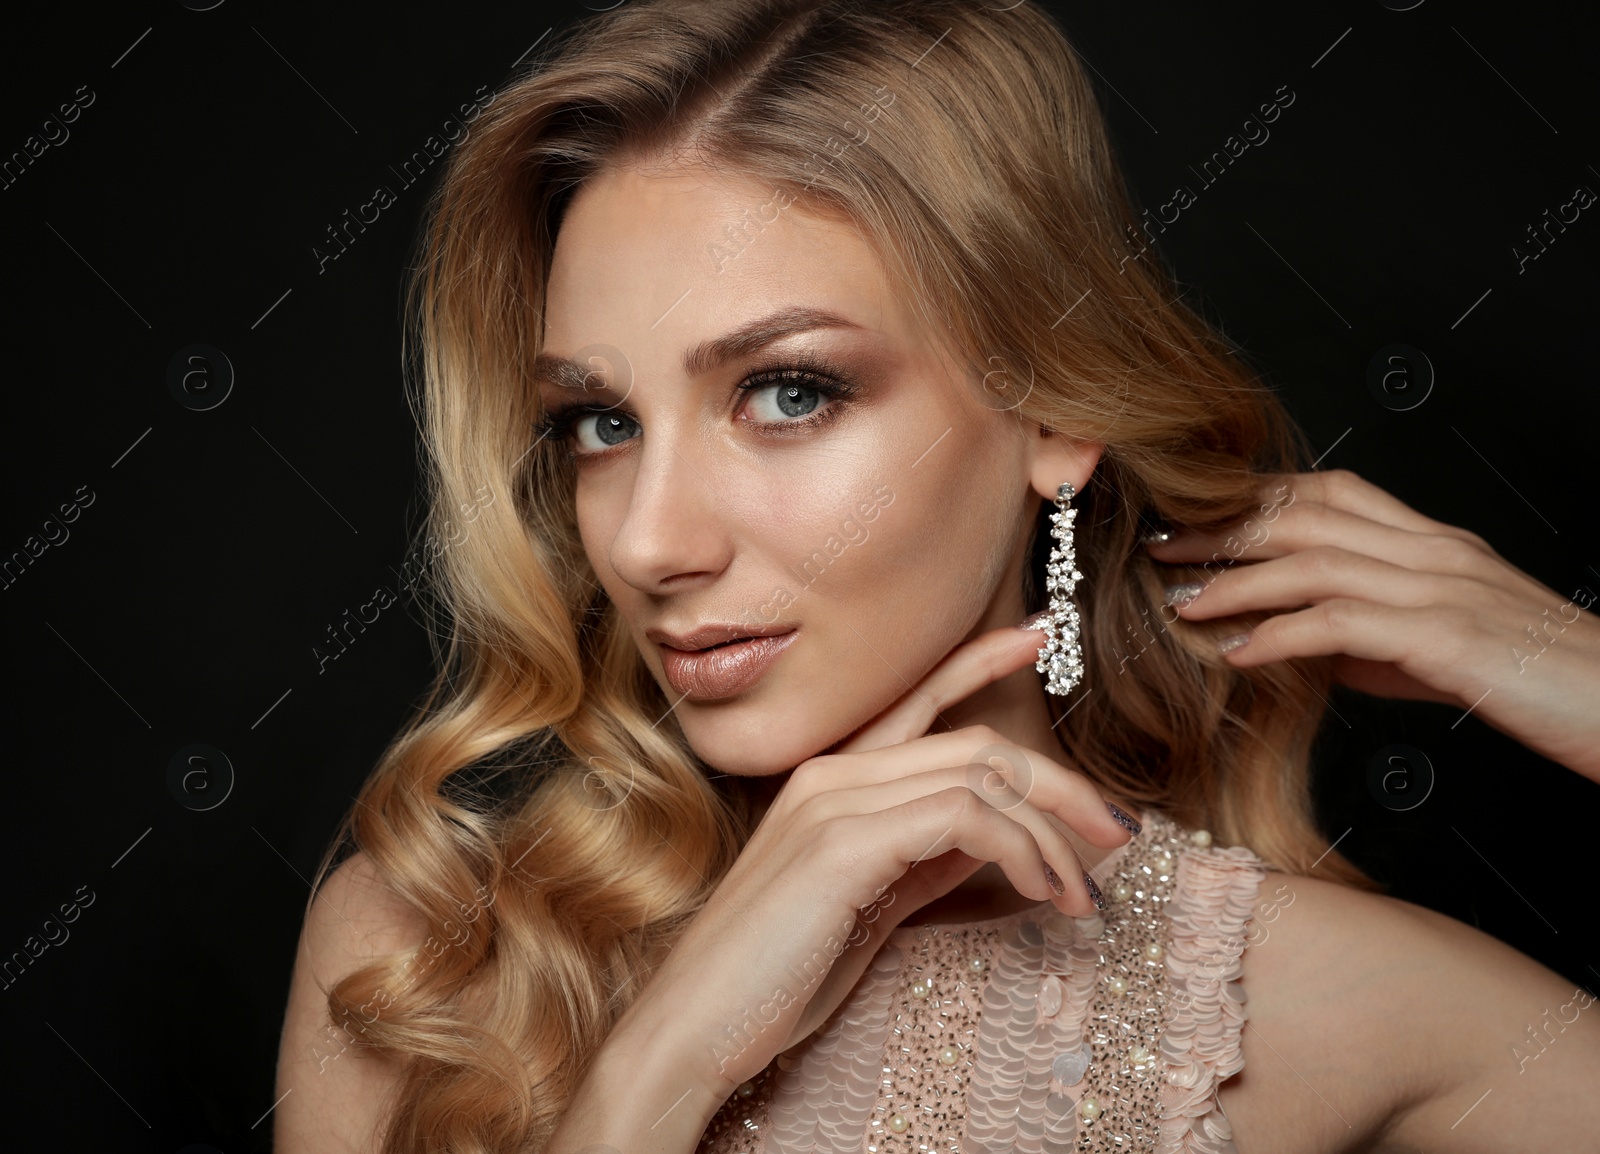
x: 724, y: 670
x: 717, y: 633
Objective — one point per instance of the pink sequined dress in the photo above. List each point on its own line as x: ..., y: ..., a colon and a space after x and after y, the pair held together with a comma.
x: 1033, y: 1033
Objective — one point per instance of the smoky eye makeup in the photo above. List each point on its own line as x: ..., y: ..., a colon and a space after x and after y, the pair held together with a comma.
x: 809, y: 392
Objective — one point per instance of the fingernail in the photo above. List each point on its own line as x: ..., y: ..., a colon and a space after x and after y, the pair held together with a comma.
x: 1125, y: 820
x: 1183, y: 594
x: 1034, y: 621
x: 1229, y: 644
x: 1054, y: 879
x: 1094, y: 892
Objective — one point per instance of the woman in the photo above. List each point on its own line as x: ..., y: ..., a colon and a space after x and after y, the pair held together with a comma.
x: 773, y: 349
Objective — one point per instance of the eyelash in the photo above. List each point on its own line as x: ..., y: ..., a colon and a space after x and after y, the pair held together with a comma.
x: 805, y: 370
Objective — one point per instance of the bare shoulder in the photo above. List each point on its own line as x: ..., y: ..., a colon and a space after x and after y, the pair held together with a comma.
x: 1379, y: 1025
x: 331, y: 1095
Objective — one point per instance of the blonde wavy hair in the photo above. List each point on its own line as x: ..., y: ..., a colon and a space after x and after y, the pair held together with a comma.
x: 533, y: 811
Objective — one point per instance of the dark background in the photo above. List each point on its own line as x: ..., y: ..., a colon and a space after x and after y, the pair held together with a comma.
x: 222, y: 543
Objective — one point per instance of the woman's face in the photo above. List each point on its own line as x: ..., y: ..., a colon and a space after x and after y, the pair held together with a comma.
x: 874, y: 528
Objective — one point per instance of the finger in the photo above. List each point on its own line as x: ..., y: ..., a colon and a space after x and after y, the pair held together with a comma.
x: 991, y: 788
x: 929, y: 824
x: 1335, y: 489
x: 962, y: 672
x: 1308, y: 526
x: 1346, y: 490
x: 1431, y: 644
x: 1321, y: 573
x: 984, y: 756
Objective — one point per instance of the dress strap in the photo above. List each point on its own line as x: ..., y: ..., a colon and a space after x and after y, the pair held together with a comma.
x: 1213, y: 900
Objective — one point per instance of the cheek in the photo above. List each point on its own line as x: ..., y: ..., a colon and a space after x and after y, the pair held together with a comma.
x: 941, y: 544
x: 907, y: 526
x: 921, y: 570
x: 808, y: 516
x: 590, y: 535
x: 884, y: 612
x: 597, y: 522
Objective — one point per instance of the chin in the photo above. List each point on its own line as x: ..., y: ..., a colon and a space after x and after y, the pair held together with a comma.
x: 766, y: 731
x: 748, y: 742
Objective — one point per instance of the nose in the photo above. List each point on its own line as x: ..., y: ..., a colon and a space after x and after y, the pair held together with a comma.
x: 674, y: 533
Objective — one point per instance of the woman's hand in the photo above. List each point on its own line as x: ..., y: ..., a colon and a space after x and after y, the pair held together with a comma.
x: 856, y: 840
x: 1410, y: 607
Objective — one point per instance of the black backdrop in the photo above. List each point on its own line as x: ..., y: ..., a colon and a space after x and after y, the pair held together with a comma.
x: 183, y: 200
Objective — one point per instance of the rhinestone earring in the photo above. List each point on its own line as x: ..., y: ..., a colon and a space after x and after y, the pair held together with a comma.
x: 1061, y: 657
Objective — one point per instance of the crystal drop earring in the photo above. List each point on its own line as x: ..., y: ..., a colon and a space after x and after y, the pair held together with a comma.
x: 1060, y: 657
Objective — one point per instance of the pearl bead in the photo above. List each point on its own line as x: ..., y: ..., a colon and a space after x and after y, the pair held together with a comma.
x: 949, y: 1055
x: 1138, y: 1055
x: 898, y: 1123
x: 1089, y: 1108
x: 1201, y: 837
x: 1118, y: 984
x: 1162, y: 863
x: 976, y: 964
x: 920, y: 988
x: 1121, y: 891
x: 1154, y: 951
x: 745, y: 1089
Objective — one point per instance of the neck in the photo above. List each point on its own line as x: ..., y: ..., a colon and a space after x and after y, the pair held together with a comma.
x: 1018, y: 707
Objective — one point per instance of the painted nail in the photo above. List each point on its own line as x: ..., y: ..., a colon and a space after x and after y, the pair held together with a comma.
x: 1054, y: 879
x: 1094, y: 892
x: 1124, y: 819
x: 1034, y: 621
x: 1229, y: 644
x: 1183, y: 594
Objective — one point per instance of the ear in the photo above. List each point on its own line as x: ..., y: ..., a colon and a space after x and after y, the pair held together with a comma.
x: 1055, y: 457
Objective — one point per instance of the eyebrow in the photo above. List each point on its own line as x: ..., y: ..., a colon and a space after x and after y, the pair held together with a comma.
x: 711, y: 354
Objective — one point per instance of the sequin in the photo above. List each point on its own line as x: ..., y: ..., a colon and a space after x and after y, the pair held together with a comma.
x: 1009, y: 1036
x: 1051, y: 992
x: 1070, y: 1066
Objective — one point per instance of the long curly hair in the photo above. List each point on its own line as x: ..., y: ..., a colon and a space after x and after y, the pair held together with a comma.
x: 551, y: 829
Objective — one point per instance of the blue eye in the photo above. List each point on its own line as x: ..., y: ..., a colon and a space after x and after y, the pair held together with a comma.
x: 566, y: 424
x: 611, y: 428
x: 791, y: 395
